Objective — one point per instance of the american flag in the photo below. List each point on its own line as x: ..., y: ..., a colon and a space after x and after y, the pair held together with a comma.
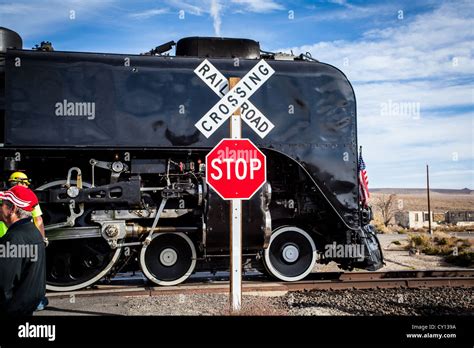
x: 363, y: 182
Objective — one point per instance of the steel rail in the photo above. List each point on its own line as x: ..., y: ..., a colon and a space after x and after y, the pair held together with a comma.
x: 315, y: 281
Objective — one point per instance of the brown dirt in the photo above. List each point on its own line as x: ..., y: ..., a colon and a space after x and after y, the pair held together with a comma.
x: 439, y: 202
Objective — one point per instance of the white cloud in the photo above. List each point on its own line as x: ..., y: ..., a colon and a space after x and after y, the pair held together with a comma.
x: 149, y: 13
x: 259, y: 6
x: 431, y: 95
x: 191, y: 7
x: 348, y: 12
x: 338, y: 2
x: 429, y: 61
x: 430, y: 138
x: 13, y: 8
x: 216, y: 8
x: 216, y: 16
x: 31, y: 18
x: 400, y: 145
x: 432, y: 45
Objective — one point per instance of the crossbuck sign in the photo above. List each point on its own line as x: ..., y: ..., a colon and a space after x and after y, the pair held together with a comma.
x: 231, y: 174
x: 234, y: 99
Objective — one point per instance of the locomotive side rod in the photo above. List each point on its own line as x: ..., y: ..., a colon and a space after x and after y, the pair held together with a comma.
x: 132, y: 230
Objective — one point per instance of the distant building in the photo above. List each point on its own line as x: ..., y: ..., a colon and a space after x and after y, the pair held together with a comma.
x: 439, y: 217
x: 414, y: 219
x: 465, y: 217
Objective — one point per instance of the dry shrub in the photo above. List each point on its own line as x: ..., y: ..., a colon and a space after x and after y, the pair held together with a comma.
x: 463, y: 259
x: 380, y: 227
x: 444, y: 244
x: 419, y: 240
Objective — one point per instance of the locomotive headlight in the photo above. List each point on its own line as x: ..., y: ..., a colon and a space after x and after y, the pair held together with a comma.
x: 73, y: 191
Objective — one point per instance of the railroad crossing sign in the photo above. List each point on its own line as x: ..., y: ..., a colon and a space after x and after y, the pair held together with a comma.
x: 236, y: 98
x: 236, y: 169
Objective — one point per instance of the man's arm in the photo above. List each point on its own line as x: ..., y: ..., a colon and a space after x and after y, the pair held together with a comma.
x: 39, y: 225
x: 38, y: 219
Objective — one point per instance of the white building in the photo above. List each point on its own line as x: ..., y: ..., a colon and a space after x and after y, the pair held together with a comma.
x: 413, y: 219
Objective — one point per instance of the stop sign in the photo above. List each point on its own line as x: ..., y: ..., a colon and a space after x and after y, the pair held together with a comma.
x: 236, y: 169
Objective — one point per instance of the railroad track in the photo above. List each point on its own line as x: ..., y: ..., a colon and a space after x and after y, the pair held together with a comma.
x: 315, y: 281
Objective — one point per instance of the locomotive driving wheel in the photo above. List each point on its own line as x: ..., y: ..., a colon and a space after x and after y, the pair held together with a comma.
x: 76, y: 263
x: 72, y: 264
x: 169, y: 259
x: 291, y: 254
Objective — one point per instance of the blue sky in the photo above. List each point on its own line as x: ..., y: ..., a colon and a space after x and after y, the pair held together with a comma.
x: 410, y: 62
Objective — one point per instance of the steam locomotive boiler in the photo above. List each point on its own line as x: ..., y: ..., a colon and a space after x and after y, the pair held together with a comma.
x: 110, y: 143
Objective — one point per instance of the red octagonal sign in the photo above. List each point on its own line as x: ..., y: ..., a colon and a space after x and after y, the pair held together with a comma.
x: 236, y: 169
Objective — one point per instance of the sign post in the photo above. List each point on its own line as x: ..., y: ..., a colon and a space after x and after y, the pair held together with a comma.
x: 235, y: 168
x: 236, y: 223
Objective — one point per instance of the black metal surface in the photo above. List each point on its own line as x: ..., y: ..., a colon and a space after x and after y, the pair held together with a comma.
x: 9, y: 39
x: 139, y: 106
x: 147, y: 166
x: 143, y: 114
x: 218, y: 214
x: 216, y: 47
x: 74, y: 262
x: 127, y: 192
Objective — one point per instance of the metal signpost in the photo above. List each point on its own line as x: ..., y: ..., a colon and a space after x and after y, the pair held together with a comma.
x: 235, y: 168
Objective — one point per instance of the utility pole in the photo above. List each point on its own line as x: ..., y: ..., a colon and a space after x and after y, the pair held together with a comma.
x: 428, y: 194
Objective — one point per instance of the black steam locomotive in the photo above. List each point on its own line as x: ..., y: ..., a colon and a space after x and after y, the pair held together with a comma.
x: 110, y: 143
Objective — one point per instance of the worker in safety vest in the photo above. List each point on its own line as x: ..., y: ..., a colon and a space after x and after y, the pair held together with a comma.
x: 22, y: 272
x: 20, y: 178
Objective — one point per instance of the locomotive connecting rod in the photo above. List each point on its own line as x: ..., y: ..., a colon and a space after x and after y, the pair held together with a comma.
x: 132, y: 230
x: 135, y: 230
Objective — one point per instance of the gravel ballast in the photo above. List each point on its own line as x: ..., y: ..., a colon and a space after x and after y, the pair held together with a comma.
x: 410, y: 302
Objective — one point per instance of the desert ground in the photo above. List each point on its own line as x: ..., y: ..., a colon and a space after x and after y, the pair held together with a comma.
x: 440, y: 202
